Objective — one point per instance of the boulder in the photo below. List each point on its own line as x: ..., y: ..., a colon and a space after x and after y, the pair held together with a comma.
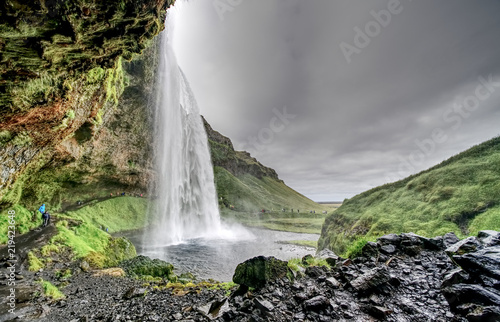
x: 330, y: 257
x: 263, y: 305
x: 215, y: 309
x: 464, y: 246
x: 459, y: 294
x: 436, y: 243
x: 391, y: 239
x: 370, y: 250
x: 145, y: 266
x: 450, y: 239
x: 489, y: 237
x: 455, y: 276
x: 371, y: 279
x: 333, y: 283
x: 485, y: 261
x: 258, y: 271
x: 387, y: 249
x: 316, y: 303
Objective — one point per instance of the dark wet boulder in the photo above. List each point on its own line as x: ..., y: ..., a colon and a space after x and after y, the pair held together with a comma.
x: 459, y: 294
x: 450, y: 239
x: 436, y: 243
x: 390, y: 239
x: 258, y: 271
x: 330, y: 257
x: 214, y: 309
x: 333, y: 283
x: 263, y: 305
x: 372, y: 279
x: 314, y: 271
x: 388, y: 249
x: 376, y: 311
x: 489, y: 237
x: 145, y: 266
x: 370, y: 250
x: 316, y: 303
x: 485, y: 261
x: 464, y: 246
x: 455, y: 276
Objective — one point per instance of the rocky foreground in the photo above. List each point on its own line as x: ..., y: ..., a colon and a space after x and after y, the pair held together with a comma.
x: 399, y: 278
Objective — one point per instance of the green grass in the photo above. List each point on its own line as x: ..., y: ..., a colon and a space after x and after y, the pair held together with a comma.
x: 462, y: 194
x: 251, y: 194
x: 296, y: 264
x: 34, y: 263
x: 298, y: 223
x: 117, y: 214
x: 51, y: 291
x: 24, y: 221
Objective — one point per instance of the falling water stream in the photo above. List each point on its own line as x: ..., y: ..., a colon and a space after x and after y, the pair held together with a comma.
x: 187, y: 204
x: 185, y: 227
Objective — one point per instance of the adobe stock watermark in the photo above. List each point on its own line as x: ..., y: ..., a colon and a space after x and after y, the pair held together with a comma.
x: 373, y: 28
x: 224, y: 6
x: 454, y: 117
x: 277, y: 124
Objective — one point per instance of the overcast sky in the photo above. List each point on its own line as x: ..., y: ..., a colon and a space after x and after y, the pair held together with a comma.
x: 342, y: 96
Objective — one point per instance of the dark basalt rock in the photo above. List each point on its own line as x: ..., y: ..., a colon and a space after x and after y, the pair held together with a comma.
x: 485, y: 261
x: 467, y: 245
x: 258, y: 271
x: 372, y: 279
x: 330, y: 257
x: 390, y: 239
x: 450, y: 239
x: 489, y: 237
x: 388, y: 249
x: 316, y: 303
x: 370, y: 250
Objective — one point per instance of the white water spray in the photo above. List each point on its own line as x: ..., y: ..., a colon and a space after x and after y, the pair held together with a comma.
x: 187, y: 202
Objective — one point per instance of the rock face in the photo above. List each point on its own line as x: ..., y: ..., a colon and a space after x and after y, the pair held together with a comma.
x: 61, y: 79
x: 236, y: 162
x: 474, y: 290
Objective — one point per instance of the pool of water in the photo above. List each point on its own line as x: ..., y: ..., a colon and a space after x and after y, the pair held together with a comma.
x: 217, y: 258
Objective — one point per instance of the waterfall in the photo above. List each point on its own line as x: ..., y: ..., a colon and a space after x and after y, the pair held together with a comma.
x: 186, y: 205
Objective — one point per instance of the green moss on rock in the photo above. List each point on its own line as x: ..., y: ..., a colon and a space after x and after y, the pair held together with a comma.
x: 258, y: 271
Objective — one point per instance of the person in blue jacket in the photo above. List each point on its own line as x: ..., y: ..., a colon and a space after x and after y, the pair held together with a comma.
x: 42, y: 209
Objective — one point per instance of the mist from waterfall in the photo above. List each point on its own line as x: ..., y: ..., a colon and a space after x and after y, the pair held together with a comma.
x: 186, y: 205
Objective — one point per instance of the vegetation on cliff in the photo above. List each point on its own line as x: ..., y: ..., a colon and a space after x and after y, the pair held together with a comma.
x: 461, y: 194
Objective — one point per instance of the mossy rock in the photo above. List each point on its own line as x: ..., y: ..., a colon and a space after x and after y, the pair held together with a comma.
x: 143, y: 266
x: 258, y: 271
x: 120, y: 249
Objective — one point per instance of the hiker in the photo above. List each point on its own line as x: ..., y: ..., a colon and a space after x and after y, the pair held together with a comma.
x: 44, y: 219
x: 42, y: 209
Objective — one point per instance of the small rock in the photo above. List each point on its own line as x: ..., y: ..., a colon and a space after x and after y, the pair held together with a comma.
x: 372, y: 279
x: 455, y: 276
x: 333, y: 283
x: 370, y: 250
x: 263, y: 305
x: 177, y: 316
x: 388, y: 249
x: 84, y: 266
x: 316, y: 303
x: 134, y: 292
x: 330, y: 257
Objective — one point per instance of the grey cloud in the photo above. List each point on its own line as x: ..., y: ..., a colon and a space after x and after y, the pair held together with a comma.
x: 355, y: 122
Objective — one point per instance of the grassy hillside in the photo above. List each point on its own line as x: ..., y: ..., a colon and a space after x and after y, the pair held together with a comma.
x: 251, y: 194
x: 462, y: 194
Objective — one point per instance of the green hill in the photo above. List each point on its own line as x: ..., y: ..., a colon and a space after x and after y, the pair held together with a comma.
x: 461, y: 194
x: 248, y: 185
